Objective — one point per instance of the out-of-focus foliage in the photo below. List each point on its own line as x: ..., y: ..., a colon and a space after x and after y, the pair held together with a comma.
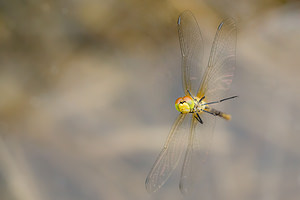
x: 87, y: 91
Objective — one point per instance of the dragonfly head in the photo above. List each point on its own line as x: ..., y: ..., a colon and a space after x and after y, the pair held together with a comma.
x: 184, y: 104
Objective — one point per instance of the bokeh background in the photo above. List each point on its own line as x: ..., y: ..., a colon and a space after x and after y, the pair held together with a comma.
x: 87, y: 92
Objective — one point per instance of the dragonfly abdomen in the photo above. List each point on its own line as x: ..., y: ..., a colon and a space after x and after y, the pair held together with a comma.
x: 219, y: 113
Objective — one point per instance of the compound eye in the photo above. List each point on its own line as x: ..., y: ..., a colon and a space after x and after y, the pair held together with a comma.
x: 189, y: 101
x: 177, y: 102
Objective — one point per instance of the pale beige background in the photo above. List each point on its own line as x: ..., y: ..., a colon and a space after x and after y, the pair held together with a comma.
x: 87, y: 91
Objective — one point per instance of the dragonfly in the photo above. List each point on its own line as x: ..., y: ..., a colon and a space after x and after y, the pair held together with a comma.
x: 203, y: 87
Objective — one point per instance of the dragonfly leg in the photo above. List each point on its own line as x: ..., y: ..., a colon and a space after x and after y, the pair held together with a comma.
x: 199, y: 118
x: 201, y: 99
x: 191, y: 95
x: 228, y: 98
x: 194, y: 97
x: 208, y: 112
x: 214, y: 102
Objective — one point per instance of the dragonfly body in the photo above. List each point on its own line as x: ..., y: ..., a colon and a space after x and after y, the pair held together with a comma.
x: 197, y: 106
x: 203, y: 86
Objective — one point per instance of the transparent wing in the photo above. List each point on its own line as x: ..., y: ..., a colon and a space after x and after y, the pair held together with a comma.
x: 191, y: 50
x: 219, y: 72
x: 170, y: 155
x: 199, y: 143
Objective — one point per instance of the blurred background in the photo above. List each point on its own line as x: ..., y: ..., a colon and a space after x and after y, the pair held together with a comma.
x: 87, y: 92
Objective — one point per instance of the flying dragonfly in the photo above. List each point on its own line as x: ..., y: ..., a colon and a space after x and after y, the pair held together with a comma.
x: 203, y: 87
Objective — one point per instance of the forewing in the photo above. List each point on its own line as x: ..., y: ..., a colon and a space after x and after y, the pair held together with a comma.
x: 199, y: 143
x: 170, y: 155
x: 221, y: 65
x: 191, y: 50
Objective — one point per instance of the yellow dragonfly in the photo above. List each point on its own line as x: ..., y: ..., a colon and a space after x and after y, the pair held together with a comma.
x: 203, y: 87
